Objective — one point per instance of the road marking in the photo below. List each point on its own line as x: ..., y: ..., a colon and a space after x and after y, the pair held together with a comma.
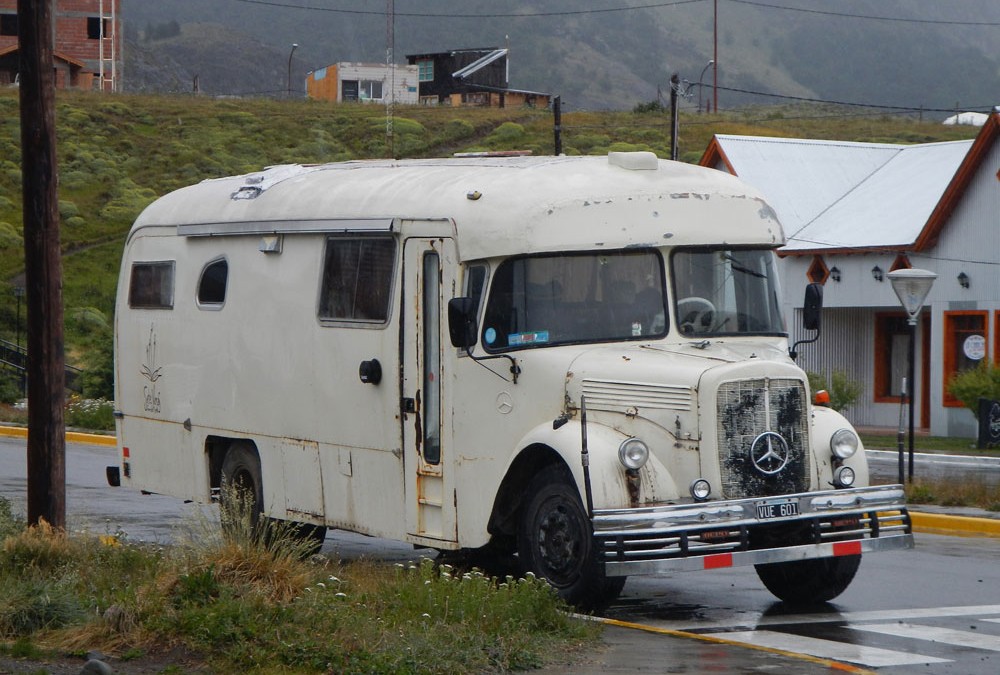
x: 757, y: 621
x: 958, y: 638
x: 872, y: 657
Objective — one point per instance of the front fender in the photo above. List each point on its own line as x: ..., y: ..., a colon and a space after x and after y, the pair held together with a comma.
x: 608, y: 480
x: 826, y: 421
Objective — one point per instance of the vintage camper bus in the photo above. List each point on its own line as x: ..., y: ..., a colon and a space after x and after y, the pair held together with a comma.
x: 575, y: 363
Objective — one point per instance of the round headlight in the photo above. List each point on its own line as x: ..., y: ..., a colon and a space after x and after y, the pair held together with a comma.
x: 844, y: 477
x: 700, y: 489
x: 633, y: 453
x: 844, y: 443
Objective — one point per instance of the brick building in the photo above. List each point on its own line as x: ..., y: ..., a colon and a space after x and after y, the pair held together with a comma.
x: 87, y: 43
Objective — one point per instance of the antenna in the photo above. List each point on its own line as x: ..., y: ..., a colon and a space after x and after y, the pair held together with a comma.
x: 390, y: 43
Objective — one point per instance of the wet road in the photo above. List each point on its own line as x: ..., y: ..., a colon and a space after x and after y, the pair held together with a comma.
x: 936, y: 609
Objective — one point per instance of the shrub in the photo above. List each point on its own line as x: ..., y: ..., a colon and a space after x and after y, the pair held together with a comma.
x: 93, y: 414
x: 969, y: 386
x: 844, y: 392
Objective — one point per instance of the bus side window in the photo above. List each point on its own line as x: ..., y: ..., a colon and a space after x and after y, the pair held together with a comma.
x: 357, y: 279
x: 151, y: 285
x: 475, y: 284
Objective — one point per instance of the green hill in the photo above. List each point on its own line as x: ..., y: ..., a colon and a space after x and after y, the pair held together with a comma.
x: 118, y: 153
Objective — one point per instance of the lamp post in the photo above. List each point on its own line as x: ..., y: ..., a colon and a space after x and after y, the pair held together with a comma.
x: 912, y: 287
x: 702, y: 77
x: 289, y: 81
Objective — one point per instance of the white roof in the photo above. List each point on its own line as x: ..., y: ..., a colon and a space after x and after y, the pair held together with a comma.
x: 499, y: 205
x: 835, y: 194
x: 976, y: 119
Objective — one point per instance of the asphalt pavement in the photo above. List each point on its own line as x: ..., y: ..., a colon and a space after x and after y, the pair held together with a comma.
x: 638, y: 648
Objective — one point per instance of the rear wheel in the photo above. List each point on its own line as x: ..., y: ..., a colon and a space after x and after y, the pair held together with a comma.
x: 809, y: 582
x: 555, y: 541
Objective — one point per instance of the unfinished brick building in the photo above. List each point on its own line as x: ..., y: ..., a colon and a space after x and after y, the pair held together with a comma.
x: 86, y: 41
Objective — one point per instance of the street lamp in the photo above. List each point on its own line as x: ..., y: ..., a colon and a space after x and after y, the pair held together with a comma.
x: 912, y: 287
x: 294, y: 47
x: 708, y: 65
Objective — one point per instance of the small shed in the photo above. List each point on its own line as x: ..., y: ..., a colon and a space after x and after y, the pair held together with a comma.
x: 364, y: 83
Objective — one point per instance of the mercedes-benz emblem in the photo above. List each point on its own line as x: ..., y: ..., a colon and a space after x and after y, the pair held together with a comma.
x: 769, y: 453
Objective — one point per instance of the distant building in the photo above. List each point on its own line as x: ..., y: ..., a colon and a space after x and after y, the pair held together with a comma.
x: 87, y: 43
x: 853, y: 213
x: 477, y: 77
x: 363, y: 82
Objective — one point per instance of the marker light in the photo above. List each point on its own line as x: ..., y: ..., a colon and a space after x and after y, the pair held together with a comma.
x: 700, y: 489
x: 633, y: 453
x: 844, y: 477
x: 844, y: 443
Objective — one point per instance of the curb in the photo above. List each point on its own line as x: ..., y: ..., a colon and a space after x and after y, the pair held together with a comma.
x: 962, y: 526
x: 72, y: 436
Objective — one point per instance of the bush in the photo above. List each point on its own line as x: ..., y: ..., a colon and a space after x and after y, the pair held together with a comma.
x: 969, y: 386
x: 92, y: 414
x: 844, y: 392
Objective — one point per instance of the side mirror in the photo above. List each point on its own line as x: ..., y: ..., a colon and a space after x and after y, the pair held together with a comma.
x: 462, y: 324
x: 812, y: 307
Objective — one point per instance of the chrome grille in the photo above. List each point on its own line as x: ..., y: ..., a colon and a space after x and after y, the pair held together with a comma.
x: 748, y: 408
x: 616, y: 396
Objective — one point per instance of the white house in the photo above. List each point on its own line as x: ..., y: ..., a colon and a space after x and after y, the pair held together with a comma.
x: 852, y: 213
x: 364, y: 82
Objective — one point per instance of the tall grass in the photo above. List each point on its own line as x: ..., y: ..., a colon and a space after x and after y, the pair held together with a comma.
x: 246, y: 600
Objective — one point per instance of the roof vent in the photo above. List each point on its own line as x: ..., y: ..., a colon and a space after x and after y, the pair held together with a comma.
x: 255, y: 184
x: 634, y: 161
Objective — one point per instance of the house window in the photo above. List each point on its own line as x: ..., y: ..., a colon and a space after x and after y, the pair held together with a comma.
x: 965, y: 339
x: 357, y: 279
x: 8, y: 24
x: 425, y: 71
x: 96, y: 28
x: 370, y: 89
x: 152, y: 285
x: 892, y: 345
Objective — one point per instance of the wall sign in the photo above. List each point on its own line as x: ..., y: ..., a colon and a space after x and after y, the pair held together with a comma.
x: 974, y: 347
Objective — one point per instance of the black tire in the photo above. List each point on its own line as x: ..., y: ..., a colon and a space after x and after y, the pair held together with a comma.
x: 809, y: 582
x: 314, y: 535
x: 555, y: 542
x: 241, y: 472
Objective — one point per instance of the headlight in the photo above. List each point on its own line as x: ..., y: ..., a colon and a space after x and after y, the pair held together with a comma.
x: 633, y: 453
x: 844, y: 443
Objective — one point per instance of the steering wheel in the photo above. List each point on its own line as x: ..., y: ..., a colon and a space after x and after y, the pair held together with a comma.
x: 694, y: 314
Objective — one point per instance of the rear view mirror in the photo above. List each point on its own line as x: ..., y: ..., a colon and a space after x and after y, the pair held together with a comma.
x: 462, y: 324
x: 812, y: 307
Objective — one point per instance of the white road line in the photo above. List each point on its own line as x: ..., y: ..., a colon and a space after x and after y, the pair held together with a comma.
x: 753, y: 620
x: 959, y: 638
x: 872, y: 657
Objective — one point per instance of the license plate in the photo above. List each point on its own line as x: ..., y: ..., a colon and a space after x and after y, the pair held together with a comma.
x: 777, y: 509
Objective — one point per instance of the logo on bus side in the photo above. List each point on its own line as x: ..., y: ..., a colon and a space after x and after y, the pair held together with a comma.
x: 152, y: 372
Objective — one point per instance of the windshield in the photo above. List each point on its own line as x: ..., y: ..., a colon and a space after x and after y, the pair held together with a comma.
x: 573, y: 298
x: 726, y: 292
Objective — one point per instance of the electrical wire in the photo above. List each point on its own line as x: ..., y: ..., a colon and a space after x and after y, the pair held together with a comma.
x: 938, y: 22
x: 451, y: 15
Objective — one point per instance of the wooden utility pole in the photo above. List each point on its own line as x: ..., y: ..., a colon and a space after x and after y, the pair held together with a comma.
x: 42, y: 267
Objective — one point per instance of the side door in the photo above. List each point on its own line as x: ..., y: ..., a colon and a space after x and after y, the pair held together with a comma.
x: 429, y: 278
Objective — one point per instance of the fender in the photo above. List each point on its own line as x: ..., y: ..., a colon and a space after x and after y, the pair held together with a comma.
x: 608, y: 480
x: 825, y: 422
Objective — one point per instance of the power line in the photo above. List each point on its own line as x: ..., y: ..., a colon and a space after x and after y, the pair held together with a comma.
x: 848, y: 103
x: 450, y: 15
x: 940, y: 22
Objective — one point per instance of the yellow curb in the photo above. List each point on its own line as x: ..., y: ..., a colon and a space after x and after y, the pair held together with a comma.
x: 963, y: 526
x: 72, y: 436
x: 715, y: 639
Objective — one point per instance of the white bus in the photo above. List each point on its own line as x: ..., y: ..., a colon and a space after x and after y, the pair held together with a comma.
x: 578, y: 364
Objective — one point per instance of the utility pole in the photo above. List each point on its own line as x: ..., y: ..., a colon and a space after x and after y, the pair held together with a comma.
x: 675, y: 83
x: 557, y: 124
x: 42, y: 268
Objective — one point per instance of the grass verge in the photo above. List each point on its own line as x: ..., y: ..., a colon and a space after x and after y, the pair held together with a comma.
x: 247, y: 601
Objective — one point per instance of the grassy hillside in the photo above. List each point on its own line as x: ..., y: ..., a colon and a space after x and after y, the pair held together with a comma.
x: 118, y: 153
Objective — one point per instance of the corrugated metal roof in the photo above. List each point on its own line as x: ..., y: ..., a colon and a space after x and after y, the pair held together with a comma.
x: 837, y: 194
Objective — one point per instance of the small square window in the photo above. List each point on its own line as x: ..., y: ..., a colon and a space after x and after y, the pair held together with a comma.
x: 357, y: 279
x: 96, y: 28
x: 152, y: 285
x: 8, y: 24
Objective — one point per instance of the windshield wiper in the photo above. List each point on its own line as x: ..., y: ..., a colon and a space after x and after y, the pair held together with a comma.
x: 740, y: 268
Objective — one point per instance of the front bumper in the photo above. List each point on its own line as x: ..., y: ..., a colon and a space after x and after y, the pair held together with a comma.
x: 732, y: 533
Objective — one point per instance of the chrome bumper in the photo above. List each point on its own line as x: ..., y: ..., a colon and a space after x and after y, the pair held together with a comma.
x: 709, y: 535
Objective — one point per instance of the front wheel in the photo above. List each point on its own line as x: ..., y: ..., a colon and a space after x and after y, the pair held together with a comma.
x: 555, y: 541
x: 809, y: 582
